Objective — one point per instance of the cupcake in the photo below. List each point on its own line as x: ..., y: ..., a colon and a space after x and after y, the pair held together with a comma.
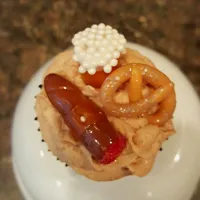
x: 105, y: 110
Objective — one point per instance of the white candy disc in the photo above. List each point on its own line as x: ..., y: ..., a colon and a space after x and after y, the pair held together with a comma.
x: 98, y: 46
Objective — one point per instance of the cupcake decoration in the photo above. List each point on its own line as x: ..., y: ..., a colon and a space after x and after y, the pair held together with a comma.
x: 98, y: 47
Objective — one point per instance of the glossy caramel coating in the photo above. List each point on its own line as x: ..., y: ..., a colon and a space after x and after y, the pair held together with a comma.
x: 162, y: 94
x: 95, y: 132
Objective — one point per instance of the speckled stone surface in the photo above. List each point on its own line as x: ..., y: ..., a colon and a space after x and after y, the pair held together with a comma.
x: 33, y: 31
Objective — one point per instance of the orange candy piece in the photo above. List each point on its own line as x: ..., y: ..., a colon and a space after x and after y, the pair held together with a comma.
x: 97, y: 79
x: 135, y: 85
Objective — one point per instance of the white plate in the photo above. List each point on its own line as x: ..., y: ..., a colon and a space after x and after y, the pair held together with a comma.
x: 174, y: 176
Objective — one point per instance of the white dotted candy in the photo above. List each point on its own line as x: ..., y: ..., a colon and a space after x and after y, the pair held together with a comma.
x: 108, y: 56
x: 116, y: 54
x: 98, y: 46
x: 104, y: 42
x: 107, y: 68
x: 113, y: 62
x: 91, y: 36
x: 120, y: 48
x: 108, y: 27
x: 111, y: 48
x: 102, y: 49
x: 94, y: 26
x: 99, y: 37
x: 81, y: 70
x: 83, y: 119
x: 91, y: 49
x: 101, y: 26
x: 97, y: 54
x: 85, y: 65
x: 102, y: 63
x: 90, y: 43
x: 92, y: 71
x: 114, y: 31
x: 93, y: 30
x: 101, y: 32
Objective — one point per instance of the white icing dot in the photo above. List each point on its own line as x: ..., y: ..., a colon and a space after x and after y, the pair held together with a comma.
x: 122, y: 41
x: 102, y: 49
x: 81, y: 57
x: 85, y: 65
x: 108, y: 31
x: 101, y: 32
x: 90, y: 42
x: 116, y: 54
x: 93, y: 63
x: 73, y: 40
x: 102, y: 63
x: 80, y: 33
x: 111, y: 48
x: 108, y: 56
x: 99, y: 37
x: 92, y: 71
x: 91, y: 36
x: 109, y: 36
x: 97, y: 55
x: 97, y: 43
x: 120, y: 48
x: 83, y: 119
x: 93, y: 30
x: 76, y: 36
x: 83, y: 40
x: 85, y: 33
x: 113, y: 62
x: 82, y: 54
x: 115, y: 42
x: 88, y: 57
x: 107, y: 69
x: 101, y: 26
x: 91, y: 50
x: 116, y: 36
x: 115, y: 31
x: 77, y: 49
x: 108, y: 27
x: 104, y: 42
x: 81, y: 70
x: 94, y: 26
x: 76, y: 42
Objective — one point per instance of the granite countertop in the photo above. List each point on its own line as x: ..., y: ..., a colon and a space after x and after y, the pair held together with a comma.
x: 33, y: 31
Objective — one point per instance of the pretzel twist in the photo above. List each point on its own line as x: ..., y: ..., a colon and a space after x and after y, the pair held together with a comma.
x: 163, y: 94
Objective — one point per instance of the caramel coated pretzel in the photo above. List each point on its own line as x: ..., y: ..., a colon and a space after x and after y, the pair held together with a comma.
x: 163, y: 94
